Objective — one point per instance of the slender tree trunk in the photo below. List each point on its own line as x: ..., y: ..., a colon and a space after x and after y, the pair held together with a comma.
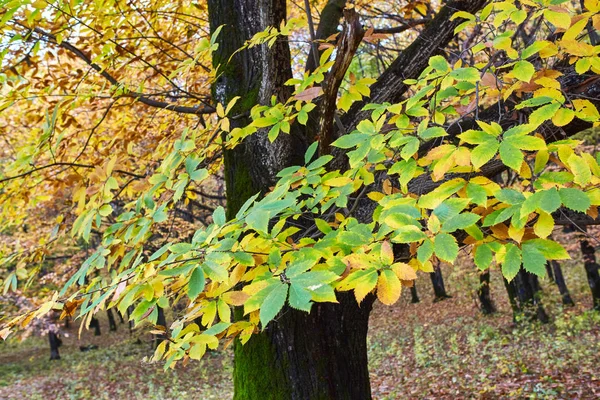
x: 120, y: 317
x: 54, y: 345
x: 162, y: 321
x: 525, y: 288
x: 485, y: 298
x: 559, y: 279
x: 413, y: 293
x: 129, y: 320
x: 112, y: 325
x: 437, y: 279
x: 591, y: 270
x: 512, y: 298
x: 94, y: 323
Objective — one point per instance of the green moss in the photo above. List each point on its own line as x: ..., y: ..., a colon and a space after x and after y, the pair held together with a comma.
x: 237, y: 180
x: 255, y: 374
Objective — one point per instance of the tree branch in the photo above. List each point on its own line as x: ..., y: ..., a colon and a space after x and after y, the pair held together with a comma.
x: 127, y: 93
x: 352, y: 35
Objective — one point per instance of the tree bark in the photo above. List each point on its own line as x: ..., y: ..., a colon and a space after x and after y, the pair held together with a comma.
x: 437, y: 280
x: 161, y: 320
x: 524, y: 289
x: 54, y: 345
x: 413, y: 294
x: 591, y: 270
x: 112, y: 325
x: 94, y: 323
x: 321, y: 355
x: 485, y: 298
x: 559, y: 279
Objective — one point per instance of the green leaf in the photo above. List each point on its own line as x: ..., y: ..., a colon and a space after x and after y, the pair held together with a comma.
x: 460, y: 221
x: 512, y: 261
x: 351, y: 140
x: 580, y: 168
x: 574, y: 199
x: 549, y: 200
x: 408, y: 234
x: 445, y: 247
x: 534, y: 261
x: 439, y: 63
x: 469, y: 74
x: 483, y: 153
x: 526, y: 142
x: 523, y: 70
x: 311, y: 150
x: 511, y: 156
x: 483, y: 256
x: 273, y: 304
x: 425, y: 251
x: 549, y: 248
x: 510, y: 196
x: 196, y: 283
x: 219, y: 216
x: 477, y: 194
x: 433, y: 132
x: 300, y: 298
x: 543, y: 113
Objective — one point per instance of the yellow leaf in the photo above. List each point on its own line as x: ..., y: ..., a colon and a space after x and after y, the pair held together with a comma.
x: 366, y: 284
x: 404, y: 271
x: 558, y: 19
x: 387, y: 254
x: 389, y: 287
x: 339, y: 181
x: 575, y: 30
x: 563, y: 116
x: 375, y: 196
x: 235, y: 298
x: 544, y: 225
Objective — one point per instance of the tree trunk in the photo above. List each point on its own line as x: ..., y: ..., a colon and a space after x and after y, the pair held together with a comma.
x: 525, y: 288
x: 512, y: 298
x: 413, y: 293
x: 559, y: 279
x: 485, y: 298
x: 591, y: 270
x: 161, y: 320
x: 129, y: 320
x: 94, y: 323
x: 54, y: 345
x: 437, y: 279
x: 321, y: 355
x: 112, y: 325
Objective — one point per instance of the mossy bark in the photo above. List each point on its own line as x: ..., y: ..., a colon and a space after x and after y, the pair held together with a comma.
x: 321, y: 355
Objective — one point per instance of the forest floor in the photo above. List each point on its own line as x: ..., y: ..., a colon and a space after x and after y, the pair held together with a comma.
x: 429, y: 350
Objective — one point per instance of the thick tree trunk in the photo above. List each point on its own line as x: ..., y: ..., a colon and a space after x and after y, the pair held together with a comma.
x: 94, y: 323
x: 525, y: 288
x: 591, y: 270
x: 321, y: 355
x: 437, y: 279
x: 413, y: 294
x: 559, y: 279
x: 54, y: 345
x: 112, y: 325
x: 485, y: 298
